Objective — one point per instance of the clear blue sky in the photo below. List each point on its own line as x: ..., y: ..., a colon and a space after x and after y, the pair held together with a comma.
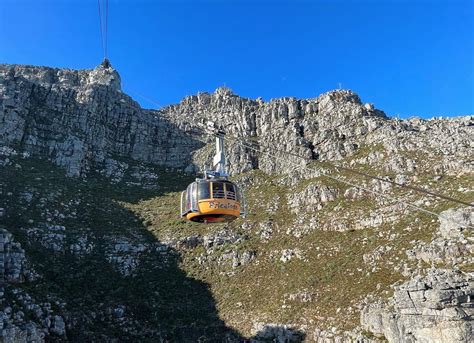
x: 408, y: 57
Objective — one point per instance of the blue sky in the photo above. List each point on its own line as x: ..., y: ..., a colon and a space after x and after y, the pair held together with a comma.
x: 408, y: 57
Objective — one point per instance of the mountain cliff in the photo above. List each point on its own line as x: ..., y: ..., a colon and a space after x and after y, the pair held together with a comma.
x: 92, y: 247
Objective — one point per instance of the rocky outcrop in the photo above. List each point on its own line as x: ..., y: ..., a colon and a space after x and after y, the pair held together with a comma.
x: 125, y: 255
x: 319, y: 128
x: 329, y: 127
x: 454, y: 242
x: 15, y: 324
x: 456, y: 222
x: 12, y: 333
x: 437, y: 307
x: 23, y: 320
x: 335, y: 335
x: 311, y: 198
x: 12, y: 258
x: 276, y: 333
x: 81, y: 119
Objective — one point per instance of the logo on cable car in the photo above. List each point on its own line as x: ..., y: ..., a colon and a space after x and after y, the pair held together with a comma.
x: 225, y: 206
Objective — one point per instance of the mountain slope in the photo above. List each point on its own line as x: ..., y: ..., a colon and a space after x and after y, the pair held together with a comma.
x: 90, y: 189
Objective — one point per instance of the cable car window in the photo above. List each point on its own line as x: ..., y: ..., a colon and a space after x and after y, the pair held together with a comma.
x: 217, y: 190
x: 188, y: 198
x: 204, y: 191
x: 183, y: 203
x: 193, y: 197
x: 230, y: 191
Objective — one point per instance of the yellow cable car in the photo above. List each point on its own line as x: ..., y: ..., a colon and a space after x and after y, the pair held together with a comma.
x: 213, y: 199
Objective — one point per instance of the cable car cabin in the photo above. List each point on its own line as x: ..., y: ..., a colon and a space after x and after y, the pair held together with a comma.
x: 211, y: 201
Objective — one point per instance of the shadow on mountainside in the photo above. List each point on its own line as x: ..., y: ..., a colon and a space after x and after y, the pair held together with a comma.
x: 78, y: 236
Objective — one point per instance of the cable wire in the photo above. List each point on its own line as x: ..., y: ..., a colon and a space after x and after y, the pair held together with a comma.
x: 351, y: 183
x: 106, y: 26
x: 103, y: 28
x: 374, y: 177
x: 144, y: 98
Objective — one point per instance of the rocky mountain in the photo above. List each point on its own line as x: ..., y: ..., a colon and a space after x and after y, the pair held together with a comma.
x: 92, y: 247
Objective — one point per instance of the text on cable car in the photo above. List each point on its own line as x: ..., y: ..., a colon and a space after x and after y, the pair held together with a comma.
x: 227, y: 206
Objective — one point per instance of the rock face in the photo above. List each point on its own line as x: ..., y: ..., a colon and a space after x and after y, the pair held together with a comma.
x: 12, y: 258
x: 118, y: 264
x: 276, y: 333
x: 439, y: 306
x: 14, y: 324
x: 435, y: 308
x: 311, y: 198
x: 315, y: 128
x: 453, y: 244
x: 80, y: 119
x: 455, y: 222
x: 329, y: 127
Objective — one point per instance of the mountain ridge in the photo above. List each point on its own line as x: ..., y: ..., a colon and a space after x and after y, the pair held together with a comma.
x: 89, y: 197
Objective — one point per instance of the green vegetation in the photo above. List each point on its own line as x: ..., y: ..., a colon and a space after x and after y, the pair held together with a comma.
x: 332, y: 270
x: 325, y: 280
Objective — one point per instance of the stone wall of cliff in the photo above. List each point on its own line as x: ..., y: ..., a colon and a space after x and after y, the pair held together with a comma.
x: 82, y: 119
